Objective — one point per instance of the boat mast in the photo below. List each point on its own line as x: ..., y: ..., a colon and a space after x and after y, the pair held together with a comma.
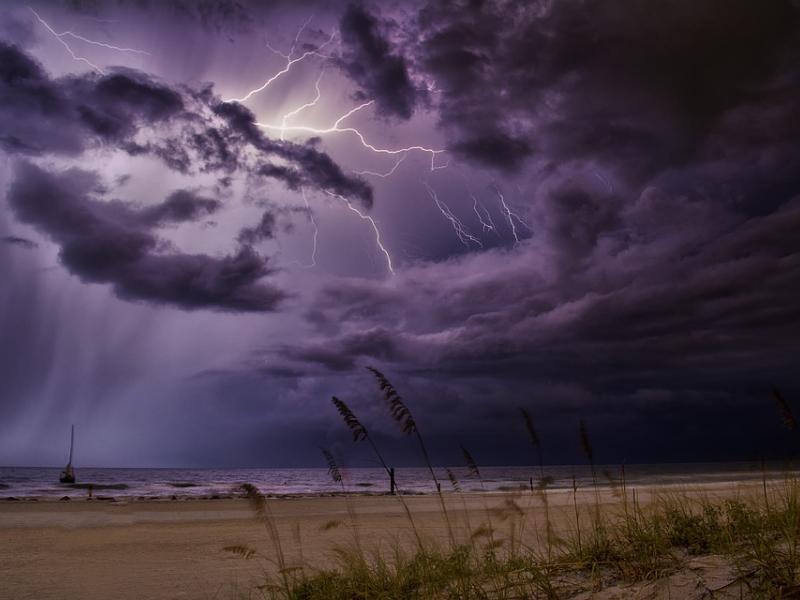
x: 71, y: 443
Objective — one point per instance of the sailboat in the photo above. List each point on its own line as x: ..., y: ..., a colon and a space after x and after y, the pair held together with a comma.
x: 68, y: 474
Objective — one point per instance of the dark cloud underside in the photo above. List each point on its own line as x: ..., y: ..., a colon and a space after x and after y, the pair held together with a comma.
x: 105, y: 241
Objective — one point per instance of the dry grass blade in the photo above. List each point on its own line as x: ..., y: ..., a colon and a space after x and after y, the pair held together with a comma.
x: 534, y: 437
x: 256, y: 498
x: 509, y: 509
x: 612, y: 481
x: 480, y: 532
x: 242, y: 551
x: 585, y: 443
x: 333, y: 468
x: 453, y: 480
x: 494, y: 545
x: 402, y: 415
x: 544, y: 482
x: 397, y: 407
x: 513, y: 506
x: 359, y: 431
x: 786, y: 411
x: 472, y: 466
x: 328, y: 525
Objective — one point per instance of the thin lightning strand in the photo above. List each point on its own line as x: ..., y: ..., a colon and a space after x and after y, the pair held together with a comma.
x: 464, y: 236
x: 487, y: 223
x: 388, y: 173
x: 103, y: 44
x: 605, y: 181
x: 310, y: 213
x: 294, y: 43
x: 316, y: 230
x: 60, y: 38
x: 364, y: 217
x: 511, y: 215
x: 289, y: 62
x: 335, y: 128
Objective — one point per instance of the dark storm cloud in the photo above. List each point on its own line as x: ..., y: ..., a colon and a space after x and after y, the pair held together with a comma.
x: 68, y: 115
x: 214, y: 14
x: 110, y: 242
x: 368, y: 59
x: 657, y: 150
x: 673, y: 294
x: 625, y: 82
x: 661, y: 282
x: 191, y: 131
x: 375, y: 343
x: 263, y: 230
x: 180, y: 206
x: 19, y: 241
x: 312, y: 166
x: 188, y: 130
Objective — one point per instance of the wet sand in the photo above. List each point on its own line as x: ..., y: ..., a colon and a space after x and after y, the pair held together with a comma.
x: 170, y: 549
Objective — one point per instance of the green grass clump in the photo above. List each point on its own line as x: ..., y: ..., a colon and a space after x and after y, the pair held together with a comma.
x: 434, y: 573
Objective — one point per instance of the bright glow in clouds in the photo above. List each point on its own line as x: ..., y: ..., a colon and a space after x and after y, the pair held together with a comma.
x: 336, y: 128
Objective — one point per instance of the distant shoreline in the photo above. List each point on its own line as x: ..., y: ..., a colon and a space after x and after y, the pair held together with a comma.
x: 101, y: 495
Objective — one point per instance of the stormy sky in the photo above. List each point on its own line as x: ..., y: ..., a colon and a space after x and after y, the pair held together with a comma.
x: 215, y: 214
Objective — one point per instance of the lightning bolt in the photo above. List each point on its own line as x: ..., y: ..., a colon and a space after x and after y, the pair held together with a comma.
x: 487, y: 223
x: 464, y: 236
x: 60, y: 37
x: 294, y: 43
x: 313, y: 262
x: 510, y: 215
x: 388, y: 173
x: 364, y: 217
x: 336, y: 128
x: 311, y: 218
x: 284, y: 127
x: 605, y: 181
x: 302, y: 107
x: 289, y: 62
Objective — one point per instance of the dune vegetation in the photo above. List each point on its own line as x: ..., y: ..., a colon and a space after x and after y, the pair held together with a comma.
x: 609, y: 543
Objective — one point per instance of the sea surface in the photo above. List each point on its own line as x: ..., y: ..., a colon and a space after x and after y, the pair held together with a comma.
x: 35, y: 482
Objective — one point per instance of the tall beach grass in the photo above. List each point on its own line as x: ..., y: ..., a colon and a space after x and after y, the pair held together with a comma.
x: 585, y: 540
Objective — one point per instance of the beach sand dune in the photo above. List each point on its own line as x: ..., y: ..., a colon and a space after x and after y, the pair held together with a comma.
x: 168, y: 549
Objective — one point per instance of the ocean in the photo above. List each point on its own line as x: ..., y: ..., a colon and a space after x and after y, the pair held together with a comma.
x: 42, y: 483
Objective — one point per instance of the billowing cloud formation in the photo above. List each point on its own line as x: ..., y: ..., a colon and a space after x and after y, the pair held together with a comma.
x: 312, y: 166
x: 639, y: 86
x: 67, y: 116
x: 190, y: 131
x: 653, y: 151
x: 106, y: 241
x: 662, y: 271
x: 368, y: 59
x: 668, y: 308
x: 263, y: 230
x: 699, y: 194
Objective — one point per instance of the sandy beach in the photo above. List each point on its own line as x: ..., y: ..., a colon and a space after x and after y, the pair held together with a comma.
x: 169, y: 549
